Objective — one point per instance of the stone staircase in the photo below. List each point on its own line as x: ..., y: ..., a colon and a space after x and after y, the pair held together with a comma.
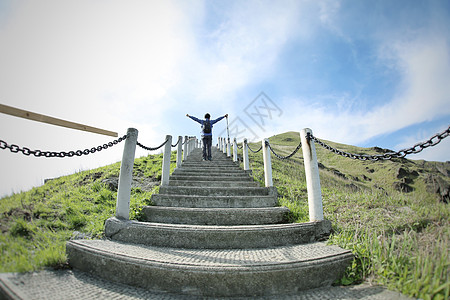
x: 213, y: 232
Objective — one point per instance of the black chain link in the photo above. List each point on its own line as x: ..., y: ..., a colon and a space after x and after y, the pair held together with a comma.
x: 433, y: 141
x: 50, y: 154
x: 176, y: 143
x: 284, y: 157
x: 150, y: 148
x: 248, y: 146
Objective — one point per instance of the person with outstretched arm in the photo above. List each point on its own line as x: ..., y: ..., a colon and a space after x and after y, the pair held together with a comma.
x: 207, y: 125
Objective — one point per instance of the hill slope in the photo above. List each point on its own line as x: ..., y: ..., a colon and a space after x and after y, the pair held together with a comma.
x: 390, y: 213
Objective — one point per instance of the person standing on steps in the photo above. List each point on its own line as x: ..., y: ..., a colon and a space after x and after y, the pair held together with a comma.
x: 207, y: 126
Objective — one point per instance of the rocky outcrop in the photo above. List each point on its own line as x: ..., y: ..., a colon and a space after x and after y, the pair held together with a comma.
x: 437, y: 185
x: 402, y: 187
x: 406, y: 177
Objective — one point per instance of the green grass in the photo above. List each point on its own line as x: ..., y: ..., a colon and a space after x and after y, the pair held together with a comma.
x: 400, y: 240
x: 36, y: 224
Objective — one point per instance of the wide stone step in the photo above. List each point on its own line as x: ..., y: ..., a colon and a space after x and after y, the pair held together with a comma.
x: 212, y: 183
x: 214, y: 202
x: 243, y: 177
x: 215, y: 216
x: 217, y: 273
x: 214, y: 169
x: 210, y: 173
x: 214, y: 191
x: 215, y: 237
x: 209, y: 164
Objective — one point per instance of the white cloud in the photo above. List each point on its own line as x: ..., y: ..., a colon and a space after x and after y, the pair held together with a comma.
x: 73, y: 55
x: 107, y: 64
x: 423, y: 94
x: 243, y: 48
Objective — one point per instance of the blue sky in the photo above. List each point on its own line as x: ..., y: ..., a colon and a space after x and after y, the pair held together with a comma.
x: 366, y: 73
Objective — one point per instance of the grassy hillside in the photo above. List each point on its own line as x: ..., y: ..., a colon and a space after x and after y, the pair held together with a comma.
x: 388, y: 213
x: 36, y: 224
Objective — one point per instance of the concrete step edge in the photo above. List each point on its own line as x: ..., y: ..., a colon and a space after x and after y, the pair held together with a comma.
x: 214, y: 202
x: 215, y: 237
x: 213, y: 191
x: 204, y: 273
x: 212, y: 183
x: 215, y: 216
x: 209, y: 178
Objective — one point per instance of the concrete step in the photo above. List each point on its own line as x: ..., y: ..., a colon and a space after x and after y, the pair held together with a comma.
x: 218, y: 162
x: 205, y: 273
x: 215, y: 157
x: 215, y: 201
x: 197, y: 155
x: 215, y: 237
x: 221, y: 167
x: 214, y: 191
x: 215, y: 216
x: 212, y: 183
x: 215, y: 169
x: 210, y: 173
x: 243, y: 177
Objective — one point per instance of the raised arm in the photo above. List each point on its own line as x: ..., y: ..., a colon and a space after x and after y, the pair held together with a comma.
x: 195, y: 119
x: 218, y: 119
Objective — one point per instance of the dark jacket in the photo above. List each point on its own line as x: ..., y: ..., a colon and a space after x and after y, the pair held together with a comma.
x: 203, y: 121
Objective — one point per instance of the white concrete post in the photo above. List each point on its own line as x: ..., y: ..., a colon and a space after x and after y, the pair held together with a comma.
x: 185, y: 151
x: 224, y: 150
x: 126, y: 175
x: 166, y: 161
x: 192, y: 144
x: 179, y: 150
x: 267, y: 163
x: 235, y: 150
x: 189, y: 142
x: 228, y: 148
x: 245, y: 154
x: 312, y: 177
x: 220, y: 143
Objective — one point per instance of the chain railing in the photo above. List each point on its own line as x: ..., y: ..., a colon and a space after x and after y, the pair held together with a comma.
x: 190, y: 143
x: 152, y: 148
x: 176, y: 144
x: 254, y: 151
x: 307, y: 141
x: 50, y: 154
x: 433, y: 141
x: 287, y: 156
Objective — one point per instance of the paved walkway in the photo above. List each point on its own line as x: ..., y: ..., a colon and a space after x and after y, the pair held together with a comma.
x: 73, y: 284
